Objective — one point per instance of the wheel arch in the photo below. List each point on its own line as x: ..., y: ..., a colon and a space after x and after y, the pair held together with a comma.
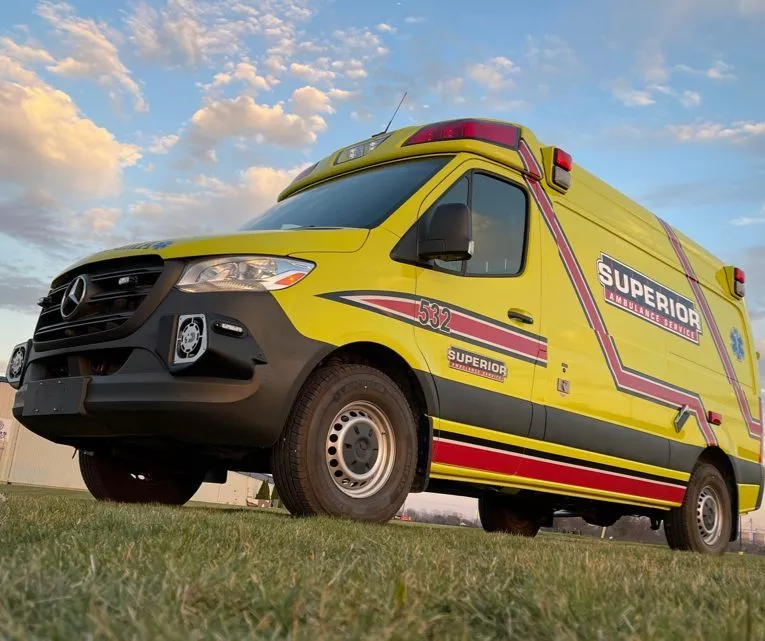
x: 418, y: 385
x: 717, y: 457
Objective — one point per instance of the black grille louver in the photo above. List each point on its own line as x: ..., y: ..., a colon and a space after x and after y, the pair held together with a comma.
x: 107, y: 307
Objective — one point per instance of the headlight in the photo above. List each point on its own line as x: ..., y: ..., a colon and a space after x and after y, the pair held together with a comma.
x: 243, y: 273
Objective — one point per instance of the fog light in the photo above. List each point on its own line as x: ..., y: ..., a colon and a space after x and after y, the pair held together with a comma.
x: 229, y: 329
x: 16, y: 364
x: 190, y: 339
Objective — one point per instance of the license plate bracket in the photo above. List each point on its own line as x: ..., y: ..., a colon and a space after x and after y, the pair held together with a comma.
x: 56, y: 397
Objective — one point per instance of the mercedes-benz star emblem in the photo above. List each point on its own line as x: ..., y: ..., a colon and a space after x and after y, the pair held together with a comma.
x: 73, y: 296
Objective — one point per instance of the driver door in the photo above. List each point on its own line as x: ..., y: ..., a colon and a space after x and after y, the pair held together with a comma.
x: 477, y: 320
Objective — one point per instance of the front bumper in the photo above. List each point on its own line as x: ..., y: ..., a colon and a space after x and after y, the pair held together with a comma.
x: 236, y: 395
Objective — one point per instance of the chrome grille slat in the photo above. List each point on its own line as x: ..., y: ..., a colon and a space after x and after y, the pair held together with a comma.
x: 107, y: 305
x: 132, y: 293
x: 90, y: 320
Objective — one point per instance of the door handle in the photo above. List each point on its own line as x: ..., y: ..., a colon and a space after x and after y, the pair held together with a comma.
x: 520, y: 315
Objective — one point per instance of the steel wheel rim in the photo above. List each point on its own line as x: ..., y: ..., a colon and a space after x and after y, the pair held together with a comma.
x: 709, y: 518
x: 360, y: 449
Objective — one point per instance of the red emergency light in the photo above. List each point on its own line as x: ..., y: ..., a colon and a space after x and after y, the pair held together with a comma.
x: 561, y: 169
x: 496, y: 133
x: 739, y: 282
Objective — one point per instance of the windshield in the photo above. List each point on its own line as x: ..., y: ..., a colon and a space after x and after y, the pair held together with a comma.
x: 362, y: 199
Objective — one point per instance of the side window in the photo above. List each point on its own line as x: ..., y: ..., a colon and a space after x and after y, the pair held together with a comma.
x: 499, y: 225
x: 457, y: 193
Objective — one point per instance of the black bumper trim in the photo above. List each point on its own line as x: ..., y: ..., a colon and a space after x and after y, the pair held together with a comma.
x: 238, y: 395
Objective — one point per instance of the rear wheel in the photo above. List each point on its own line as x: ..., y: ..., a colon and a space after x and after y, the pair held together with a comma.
x: 703, y: 522
x: 349, y: 448
x: 109, y: 478
x: 503, y: 513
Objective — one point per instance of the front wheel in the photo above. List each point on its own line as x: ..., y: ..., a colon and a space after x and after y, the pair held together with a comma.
x: 704, y: 520
x: 349, y: 448
x: 110, y: 478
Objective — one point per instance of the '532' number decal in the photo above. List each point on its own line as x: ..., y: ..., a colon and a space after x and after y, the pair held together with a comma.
x: 434, y: 315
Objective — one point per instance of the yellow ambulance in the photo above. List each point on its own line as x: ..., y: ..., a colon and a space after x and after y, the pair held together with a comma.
x: 453, y: 308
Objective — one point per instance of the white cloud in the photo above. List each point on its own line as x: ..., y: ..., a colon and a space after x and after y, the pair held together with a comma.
x: 147, y: 209
x: 415, y: 19
x: 26, y: 54
x: 12, y: 70
x: 451, y: 90
x: 630, y: 97
x: 361, y: 115
x: 51, y: 156
x: 748, y: 7
x: 307, y: 101
x: 192, y: 33
x: 244, y: 72
x: 92, y: 53
x: 352, y: 68
x: 162, y: 144
x: 494, y: 73
x: 550, y: 54
x: 718, y: 71
x: 360, y: 39
x: 653, y: 68
x: 311, y: 74
x: 746, y: 222
x: 750, y: 221
x: 691, y: 98
x: 275, y: 64
x: 46, y: 143
x: 386, y: 28
x: 188, y: 213
x: 341, y: 95
x: 737, y: 132
x: 100, y: 219
x: 686, y: 98
x: 242, y: 117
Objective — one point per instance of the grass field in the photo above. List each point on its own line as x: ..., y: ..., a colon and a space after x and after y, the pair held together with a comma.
x: 76, y: 569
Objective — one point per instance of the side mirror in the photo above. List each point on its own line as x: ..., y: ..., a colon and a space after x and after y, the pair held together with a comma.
x: 448, y: 235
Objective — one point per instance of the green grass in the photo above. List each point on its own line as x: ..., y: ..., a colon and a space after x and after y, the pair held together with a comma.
x: 76, y: 569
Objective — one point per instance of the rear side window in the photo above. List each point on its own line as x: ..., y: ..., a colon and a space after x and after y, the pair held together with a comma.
x: 362, y: 199
x: 499, y: 225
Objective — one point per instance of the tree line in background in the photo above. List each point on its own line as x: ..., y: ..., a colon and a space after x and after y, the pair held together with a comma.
x: 627, y: 528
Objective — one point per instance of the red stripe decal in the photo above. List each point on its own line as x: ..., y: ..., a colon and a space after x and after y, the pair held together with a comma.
x: 500, y: 462
x: 753, y: 425
x: 493, y: 336
x: 626, y: 380
x: 401, y: 306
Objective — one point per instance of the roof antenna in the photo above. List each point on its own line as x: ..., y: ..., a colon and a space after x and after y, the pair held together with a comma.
x: 385, y: 131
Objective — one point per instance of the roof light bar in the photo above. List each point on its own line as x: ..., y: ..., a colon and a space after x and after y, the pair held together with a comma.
x: 496, y: 133
x: 361, y: 149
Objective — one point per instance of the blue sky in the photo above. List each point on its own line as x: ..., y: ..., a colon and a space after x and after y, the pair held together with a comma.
x: 131, y: 120
x: 122, y: 121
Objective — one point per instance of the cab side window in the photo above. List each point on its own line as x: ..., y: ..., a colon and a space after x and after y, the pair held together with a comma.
x: 499, y: 225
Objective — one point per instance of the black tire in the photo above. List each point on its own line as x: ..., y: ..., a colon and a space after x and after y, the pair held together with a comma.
x: 692, y: 525
x: 109, y: 478
x: 302, y: 459
x: 502, y: 513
